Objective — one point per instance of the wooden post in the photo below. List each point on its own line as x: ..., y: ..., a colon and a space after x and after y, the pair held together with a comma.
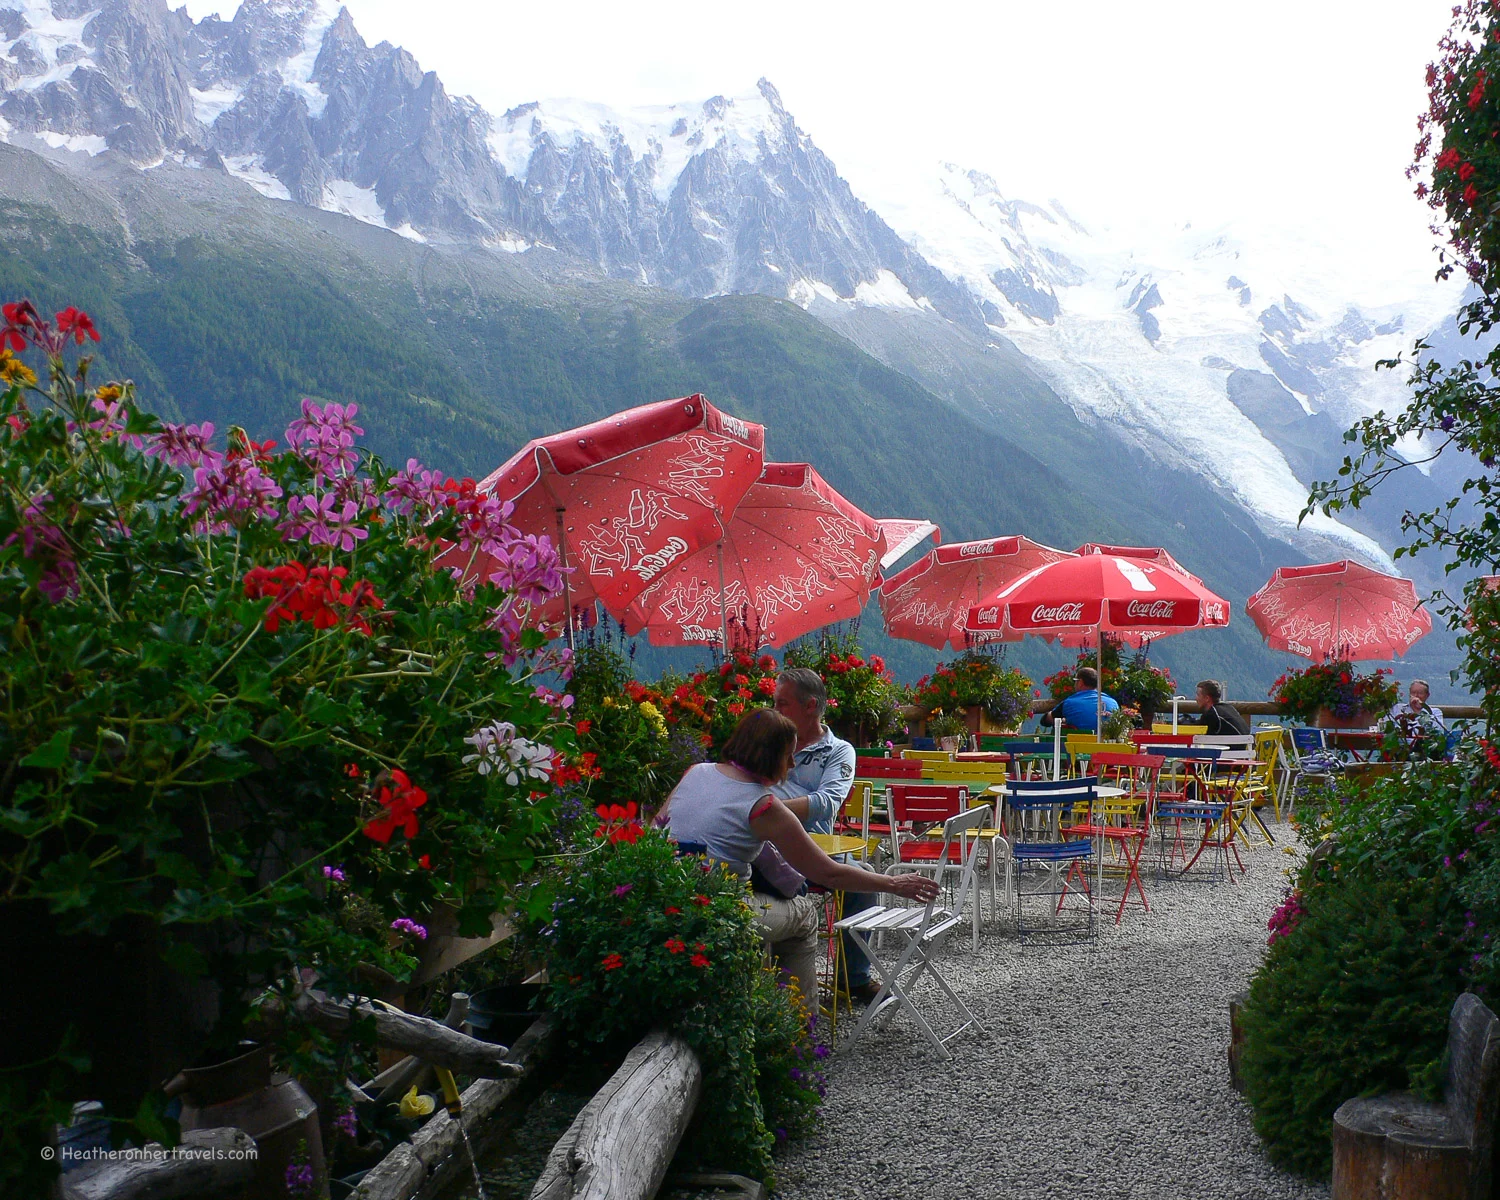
x: 621, y: 1144
x: 209, y: 1162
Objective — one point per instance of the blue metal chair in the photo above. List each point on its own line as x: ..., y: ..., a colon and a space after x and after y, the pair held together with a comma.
x: 1179, y: 805
x: 1035, y: 811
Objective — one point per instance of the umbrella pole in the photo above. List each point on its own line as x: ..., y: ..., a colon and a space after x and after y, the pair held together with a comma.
x: 1096, y: 818
x: 562, y: 550
x: 723, y: 619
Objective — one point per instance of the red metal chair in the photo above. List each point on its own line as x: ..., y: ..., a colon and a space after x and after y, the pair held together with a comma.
x: 1125, y: 821
x: 888, y: 768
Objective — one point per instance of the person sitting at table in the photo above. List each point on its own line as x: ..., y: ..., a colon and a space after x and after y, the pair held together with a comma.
x: 1081, y: 709
x: 1222, y: 719
x: 1417, y: 715
x: 815, y: 789
x: 727, y: 811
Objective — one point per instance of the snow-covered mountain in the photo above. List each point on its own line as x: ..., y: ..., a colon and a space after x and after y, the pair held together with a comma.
x: 1191, y: 346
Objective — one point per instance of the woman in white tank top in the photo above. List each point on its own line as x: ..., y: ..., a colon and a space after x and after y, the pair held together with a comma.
x: 727, y: 809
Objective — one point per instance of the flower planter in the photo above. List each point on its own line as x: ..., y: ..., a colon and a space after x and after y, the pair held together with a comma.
x: 1326, y: 718
x: 980, y: 722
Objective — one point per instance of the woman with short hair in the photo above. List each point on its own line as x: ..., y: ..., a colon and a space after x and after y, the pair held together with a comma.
x: 726, y: 811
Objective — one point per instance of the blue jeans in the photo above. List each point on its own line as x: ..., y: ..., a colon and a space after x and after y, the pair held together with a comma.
x: 854, y: 958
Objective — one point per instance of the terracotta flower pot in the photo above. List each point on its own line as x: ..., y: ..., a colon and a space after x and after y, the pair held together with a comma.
x: 1325, y: 718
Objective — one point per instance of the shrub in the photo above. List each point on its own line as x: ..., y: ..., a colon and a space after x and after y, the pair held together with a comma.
x: 1354, y: 999
x: 642, y: 938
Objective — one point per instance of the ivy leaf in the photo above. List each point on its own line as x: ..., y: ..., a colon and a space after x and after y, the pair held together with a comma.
x: 52, y: 753
x: 154, y: 1124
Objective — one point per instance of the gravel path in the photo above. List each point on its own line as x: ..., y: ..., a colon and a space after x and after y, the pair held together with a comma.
x: 1106, y: 1076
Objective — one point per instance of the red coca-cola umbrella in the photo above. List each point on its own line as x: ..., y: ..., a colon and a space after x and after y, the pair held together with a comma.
x: 929, y: 600
x: 795, y: 556
x: 1340, y: 610
x: 903, y: 534
x: 1213, y: 614
x: 1097, y: 594
x: 628, y: 496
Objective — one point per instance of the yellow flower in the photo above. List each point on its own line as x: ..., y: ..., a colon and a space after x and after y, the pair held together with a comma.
x: 653, y: 714
x: 109, y: 393
x: 13, y: 370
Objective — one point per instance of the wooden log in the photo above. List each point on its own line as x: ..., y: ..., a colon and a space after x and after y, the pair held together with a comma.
x: 431, y: 1041
x: 621, y: 1144
x: 427, y: 1164
x: 738, y: 1187
x: 394, y: 1081
x: 1237, y: 1038
x: 208, y: 1163
x: 1397, y: 1148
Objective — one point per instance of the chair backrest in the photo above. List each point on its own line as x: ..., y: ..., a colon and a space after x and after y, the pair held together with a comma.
x: 923, y: 743
x: 993, y: 741
x: 962, y: 829
x: 1473, y: 1073
x: 887, y: 768
x: 1267, y: 743
x: 1200, y: 753
x: 1230, y: 741
x: 1306, y: 740
x: 857, y: 802
x: 1024, y: 794
x: 1182, y: 727
x: 1090, y: 748
x: 1141, y: 738
x: 928, y: 755
x: 1015, y: 746
x: 926, y: 802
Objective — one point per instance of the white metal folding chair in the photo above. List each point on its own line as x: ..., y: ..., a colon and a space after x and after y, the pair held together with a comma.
x: 923, y: 930
x: 955, y: 856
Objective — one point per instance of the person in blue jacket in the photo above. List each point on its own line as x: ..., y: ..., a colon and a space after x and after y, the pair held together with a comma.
x: 1081, y: 709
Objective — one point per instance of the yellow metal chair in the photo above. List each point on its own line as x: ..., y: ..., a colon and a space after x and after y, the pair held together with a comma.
x: 929, y: 755
x: 1081, y: 749
x: 1166, y: 727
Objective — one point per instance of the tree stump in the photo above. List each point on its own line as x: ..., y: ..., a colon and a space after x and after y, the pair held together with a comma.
x: 1399, y: 1148
x: 621, y: 1144
x: 209, y: 1163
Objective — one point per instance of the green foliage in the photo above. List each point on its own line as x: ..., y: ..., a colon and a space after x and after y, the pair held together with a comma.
x: 1391, y: 919
x: 980, y: 678
x: 1354, y: 1000
x: 251, y: 743
x: 642, y: 938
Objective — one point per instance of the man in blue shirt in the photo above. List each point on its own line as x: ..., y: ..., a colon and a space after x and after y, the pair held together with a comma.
x: 821, y: 776
x: 1081, y: 709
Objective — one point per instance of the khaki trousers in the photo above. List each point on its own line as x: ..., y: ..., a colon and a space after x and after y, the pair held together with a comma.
x: 790, y: 931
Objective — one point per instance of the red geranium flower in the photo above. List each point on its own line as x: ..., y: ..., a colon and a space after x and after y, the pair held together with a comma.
x: 702, y: 901
x: 75, y: 324
x: 767, y: 686
x: 675, y: 945
x: 400, y: 801
x: 1447, y: 160
x: 1471, y: 194
x: 612, y: 962
x: 1466, y: 172
x: 699, y: 960
x: 672, y: 912
x: 583, y: 726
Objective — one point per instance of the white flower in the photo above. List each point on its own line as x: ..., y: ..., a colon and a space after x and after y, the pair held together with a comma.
x: 499, y: 749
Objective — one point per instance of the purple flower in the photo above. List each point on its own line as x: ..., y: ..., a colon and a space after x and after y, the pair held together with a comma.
x: 299, y: 1179
x: 324, y: 436
x: 820, y: 1051
x: 1446, y: 423
x: 525, y: 565
x: 347, y: 1123
x: 623, y: 889
x: 229, y: 491
x: 44, y: 541
x: 185, y: 445
x: 333, y: 873
x: 403, y: 925
x: 323, y: 521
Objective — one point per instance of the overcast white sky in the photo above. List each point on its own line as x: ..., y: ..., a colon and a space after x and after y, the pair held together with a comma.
x: 1292, y: 113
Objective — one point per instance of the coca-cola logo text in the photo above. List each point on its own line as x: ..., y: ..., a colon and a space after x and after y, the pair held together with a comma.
x: 988, y: 616
x: 1151, y: 610
x: 1042, y: 615
x: 651, y: 565
x: 975, y: 549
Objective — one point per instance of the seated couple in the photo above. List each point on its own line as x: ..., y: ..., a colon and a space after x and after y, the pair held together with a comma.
x: 1080, y: 710
x: 782, y: 773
